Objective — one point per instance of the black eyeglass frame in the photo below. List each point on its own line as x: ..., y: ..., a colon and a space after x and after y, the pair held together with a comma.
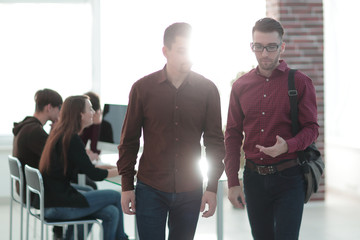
x: 276, y: 47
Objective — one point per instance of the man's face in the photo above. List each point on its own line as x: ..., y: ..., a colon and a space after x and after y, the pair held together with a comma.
x: 54, y: 113
x: 178, y: 56
x: 267, y: 60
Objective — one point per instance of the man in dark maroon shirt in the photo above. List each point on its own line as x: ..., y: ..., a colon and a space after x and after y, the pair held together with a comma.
x: 174, y: 107
x: 259, y: 114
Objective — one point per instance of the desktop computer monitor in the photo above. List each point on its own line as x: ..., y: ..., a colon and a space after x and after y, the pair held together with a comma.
x: 111, y: 126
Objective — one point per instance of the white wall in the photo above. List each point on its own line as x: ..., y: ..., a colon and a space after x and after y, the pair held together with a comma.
x: 5, y: 150
x: 342, y: 84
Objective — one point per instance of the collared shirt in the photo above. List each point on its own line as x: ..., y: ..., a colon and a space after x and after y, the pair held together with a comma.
x: 259, y: 110
x: 173, y: 122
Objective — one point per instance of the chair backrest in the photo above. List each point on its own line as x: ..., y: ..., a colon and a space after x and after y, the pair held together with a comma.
x: 16, y: 173
x: 34, y: 183
x: 34, y: 179
x: 15, y: 167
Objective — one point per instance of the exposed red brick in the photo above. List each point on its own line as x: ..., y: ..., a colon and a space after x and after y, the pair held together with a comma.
x: 303, y: 23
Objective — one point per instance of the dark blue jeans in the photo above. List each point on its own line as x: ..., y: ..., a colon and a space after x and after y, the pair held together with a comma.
x: 153, y: 207
x: 275, y: 203
x: 104, y: 205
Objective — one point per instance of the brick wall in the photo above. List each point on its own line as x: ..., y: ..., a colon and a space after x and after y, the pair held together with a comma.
x: 303, y: 24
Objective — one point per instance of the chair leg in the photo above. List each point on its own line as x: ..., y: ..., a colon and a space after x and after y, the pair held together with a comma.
x: 21, y: 221
x: 34, y: 233
x: 42, y: 231
x: 27, y: 225
x: 11, y: 210
x: 101, y: 231
x: 85, y: 226
x: 75, y: 232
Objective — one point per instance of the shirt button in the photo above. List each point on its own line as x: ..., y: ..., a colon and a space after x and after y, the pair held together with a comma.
x: 262, y: 130
x: 263, y: 113
x: 264, y: 95
x: 176, y: 107
x: 261, y: 159
x: 176, y: 123
x: 267, y: 79
x: 176, y: 139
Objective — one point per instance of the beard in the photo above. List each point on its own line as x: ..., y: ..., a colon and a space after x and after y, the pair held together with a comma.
x: 268, y: 64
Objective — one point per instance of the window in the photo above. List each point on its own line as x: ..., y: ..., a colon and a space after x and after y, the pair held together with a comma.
x: 42, y: 45
x: 48, y: 44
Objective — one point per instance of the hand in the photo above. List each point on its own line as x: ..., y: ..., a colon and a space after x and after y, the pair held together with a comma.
x: 53, y: 123
x: 279, y: 148
x: 93, y: 156
x: 112, y: 172
x: 236, y: 197
x: 209, y: 198
x: 97, y: 118
x: 128, y: 202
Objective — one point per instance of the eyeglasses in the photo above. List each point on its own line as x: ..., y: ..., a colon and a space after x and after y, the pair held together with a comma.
x: 260, y: 48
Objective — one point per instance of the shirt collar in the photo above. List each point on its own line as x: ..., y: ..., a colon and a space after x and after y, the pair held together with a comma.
x: 162, y: 76
x: 281, y: 67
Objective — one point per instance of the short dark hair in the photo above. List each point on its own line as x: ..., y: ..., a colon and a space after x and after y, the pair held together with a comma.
x: 47, y: 96
x: 176, y: 29
x: 268, y: 25
x: 94, y: 99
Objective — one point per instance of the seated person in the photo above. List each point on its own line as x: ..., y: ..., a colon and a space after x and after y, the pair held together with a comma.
x: 64, y: 153
x: 92, y: 132
x: 30, y: 136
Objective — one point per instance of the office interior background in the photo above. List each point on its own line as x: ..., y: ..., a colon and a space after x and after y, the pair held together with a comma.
x: 73, y: 46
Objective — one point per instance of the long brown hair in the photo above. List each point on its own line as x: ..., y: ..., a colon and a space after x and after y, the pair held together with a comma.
x: 68, y: 125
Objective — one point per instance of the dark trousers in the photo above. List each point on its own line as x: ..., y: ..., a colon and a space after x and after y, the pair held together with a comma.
x: 153, y: 207
x: 275, y: 203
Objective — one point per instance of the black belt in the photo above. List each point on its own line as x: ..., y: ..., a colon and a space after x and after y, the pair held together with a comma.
x: 271, y: 169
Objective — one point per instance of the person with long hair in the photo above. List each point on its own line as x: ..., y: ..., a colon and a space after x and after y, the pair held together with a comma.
x: 64, y: 153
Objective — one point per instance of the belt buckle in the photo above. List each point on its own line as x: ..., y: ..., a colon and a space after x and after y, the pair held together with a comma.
x: 265, y: 170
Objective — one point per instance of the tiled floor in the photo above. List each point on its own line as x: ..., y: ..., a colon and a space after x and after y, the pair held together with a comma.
x: 338, y: 218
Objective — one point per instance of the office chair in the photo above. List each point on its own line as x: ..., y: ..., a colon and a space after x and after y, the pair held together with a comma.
x: 34, y: 183
x: 16, y: 176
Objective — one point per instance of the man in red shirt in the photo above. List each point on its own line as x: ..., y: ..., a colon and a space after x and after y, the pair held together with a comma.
x: 174, y: 108
x: 259, y: 114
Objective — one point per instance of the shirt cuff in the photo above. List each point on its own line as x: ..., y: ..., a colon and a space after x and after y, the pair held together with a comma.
x: 233, y: 181
x: 291, y: 145
x: 127, y: 183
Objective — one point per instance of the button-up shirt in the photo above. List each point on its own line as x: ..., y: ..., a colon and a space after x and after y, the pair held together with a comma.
x: 173, y: 121
x: 259, y: 110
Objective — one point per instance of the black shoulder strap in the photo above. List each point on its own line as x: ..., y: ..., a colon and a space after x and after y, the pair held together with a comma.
x: 294, y: 109
x: 293, y: 102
